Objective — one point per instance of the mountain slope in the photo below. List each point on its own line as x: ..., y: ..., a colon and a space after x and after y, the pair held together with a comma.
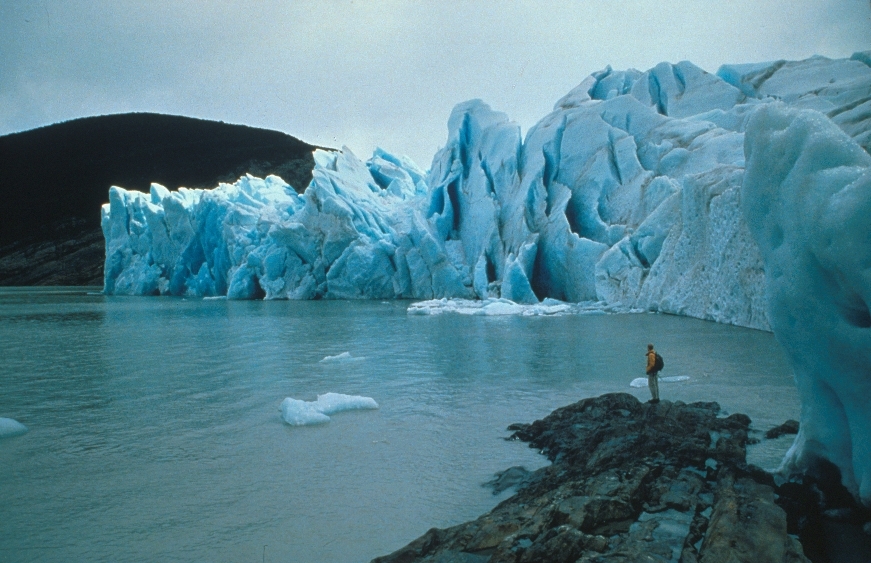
x: 54, y: 179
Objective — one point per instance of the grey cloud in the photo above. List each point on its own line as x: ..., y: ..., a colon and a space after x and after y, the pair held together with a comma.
x: 374, y: 73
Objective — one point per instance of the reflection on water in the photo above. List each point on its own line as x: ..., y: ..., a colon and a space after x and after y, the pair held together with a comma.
x: 71, y: 317
x: 155, y: 430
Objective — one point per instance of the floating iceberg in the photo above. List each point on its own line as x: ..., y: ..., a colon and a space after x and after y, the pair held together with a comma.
x: 304, y: 413
x: 642, y: 381
x: 10, y: 427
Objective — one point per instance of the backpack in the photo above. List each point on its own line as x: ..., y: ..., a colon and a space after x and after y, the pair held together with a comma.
x: 658, y: 363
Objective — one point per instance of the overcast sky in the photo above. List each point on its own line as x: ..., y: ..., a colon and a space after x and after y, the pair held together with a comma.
x: 379, y: 72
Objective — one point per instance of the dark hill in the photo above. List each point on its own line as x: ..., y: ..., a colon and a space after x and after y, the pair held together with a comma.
x: 54, y: 179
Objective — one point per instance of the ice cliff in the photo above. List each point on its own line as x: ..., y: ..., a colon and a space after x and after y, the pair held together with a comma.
x: 807, y: 199
x: 627, y: 194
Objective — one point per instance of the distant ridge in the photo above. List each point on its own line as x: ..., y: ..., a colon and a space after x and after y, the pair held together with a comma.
x: 54, y: 179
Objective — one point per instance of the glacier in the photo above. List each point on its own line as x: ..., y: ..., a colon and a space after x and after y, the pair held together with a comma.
x: 807, y: 199
x: 627, y: 194
x: 736, y: 197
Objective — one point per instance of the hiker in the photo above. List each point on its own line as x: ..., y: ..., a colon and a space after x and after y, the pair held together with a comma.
x: 652, y: 373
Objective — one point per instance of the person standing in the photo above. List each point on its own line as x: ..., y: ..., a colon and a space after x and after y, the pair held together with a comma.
x: 652, y: 374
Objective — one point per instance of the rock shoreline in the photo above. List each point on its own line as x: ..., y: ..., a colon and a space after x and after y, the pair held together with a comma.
x: 642, y: 482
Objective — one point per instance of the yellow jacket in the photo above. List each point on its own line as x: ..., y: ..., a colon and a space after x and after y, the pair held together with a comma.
x: 651, y: 360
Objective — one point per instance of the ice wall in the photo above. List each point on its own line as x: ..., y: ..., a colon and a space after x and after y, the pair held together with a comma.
x: 807, y: 200
x: 628, y: 194
x: 352, y: 234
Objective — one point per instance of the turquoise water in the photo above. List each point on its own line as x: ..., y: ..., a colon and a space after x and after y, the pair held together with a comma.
x: 155, y: 431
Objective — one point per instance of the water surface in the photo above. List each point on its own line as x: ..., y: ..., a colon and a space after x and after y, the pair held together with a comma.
x: 155, y: 431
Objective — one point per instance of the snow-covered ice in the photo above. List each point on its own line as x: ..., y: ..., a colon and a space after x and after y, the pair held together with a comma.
x: 304, y: 413
x: 10, y: 427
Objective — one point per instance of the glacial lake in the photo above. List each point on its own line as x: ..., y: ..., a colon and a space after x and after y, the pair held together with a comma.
x: 155, y: 432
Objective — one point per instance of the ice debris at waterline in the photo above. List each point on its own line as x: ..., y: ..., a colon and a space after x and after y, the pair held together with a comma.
x: 10, y: 427
x: 304, y: 413
x: 627, y: 193
x: 807, y: 200
x: 499, y: 307
x: 642, y: 381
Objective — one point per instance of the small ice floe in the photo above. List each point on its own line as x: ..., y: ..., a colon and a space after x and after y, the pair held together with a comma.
x: 343, y: 357
x: 642, y: 381
x: 503, y: 307
x: 304, y: 413
x: 675, y: 378
x: 10, y: 427
x: 215, y: 297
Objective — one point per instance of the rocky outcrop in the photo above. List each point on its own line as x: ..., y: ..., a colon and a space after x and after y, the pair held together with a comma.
x: 788, y: 427
x: 72, y: 254
x: 54, y: 179
x: 629, y: 482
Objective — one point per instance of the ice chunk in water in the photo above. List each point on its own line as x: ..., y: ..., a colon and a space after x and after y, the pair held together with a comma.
x: 331, y: 403
x: 675, y: 378
x: 304, y: 413
x: 301, y: 413
x: 10, y: 427
x: 642, y: 381
x: 343, y: 357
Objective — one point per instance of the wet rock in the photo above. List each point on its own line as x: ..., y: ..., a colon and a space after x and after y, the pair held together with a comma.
x: 788, y: 427
x: 629, y: 482
x: 512, y: 478
x: 563, y: 544
x: 747, y: 525
x: 824, y: 515
x: 677, y: 491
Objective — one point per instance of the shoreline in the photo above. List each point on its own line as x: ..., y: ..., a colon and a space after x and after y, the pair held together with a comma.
x: 632, y: 481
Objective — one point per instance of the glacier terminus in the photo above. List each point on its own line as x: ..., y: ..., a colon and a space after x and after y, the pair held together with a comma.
x: 740, y: 197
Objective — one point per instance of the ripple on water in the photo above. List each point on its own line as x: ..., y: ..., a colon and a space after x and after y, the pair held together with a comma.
x: 155, y: 424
